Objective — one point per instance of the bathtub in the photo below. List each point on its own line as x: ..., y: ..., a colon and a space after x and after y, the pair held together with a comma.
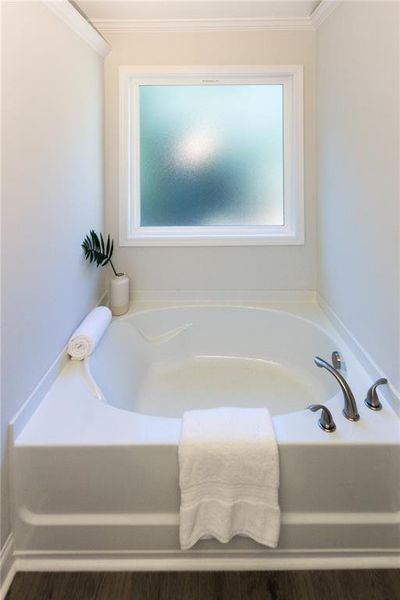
x: 95, y: 469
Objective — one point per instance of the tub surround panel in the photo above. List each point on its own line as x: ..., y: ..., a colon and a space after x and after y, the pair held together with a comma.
x: 340, y: 493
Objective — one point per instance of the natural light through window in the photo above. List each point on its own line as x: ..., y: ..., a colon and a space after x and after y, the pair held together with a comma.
x: 211, y: 155
x: 210, y: 159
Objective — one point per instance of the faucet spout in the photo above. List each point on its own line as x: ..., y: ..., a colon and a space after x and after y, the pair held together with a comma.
x: 350, y: 410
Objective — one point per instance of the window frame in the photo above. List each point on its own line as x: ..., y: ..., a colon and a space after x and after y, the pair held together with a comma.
x: 291, y: 233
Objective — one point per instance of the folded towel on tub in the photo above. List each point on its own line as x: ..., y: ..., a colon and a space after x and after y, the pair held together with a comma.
x: 85, y: 338
x: 229, y: 476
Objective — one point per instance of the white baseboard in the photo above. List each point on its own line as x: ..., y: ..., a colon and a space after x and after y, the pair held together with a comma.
x: 188, y: 561
x: 14, y: 561
x: 389, y: 392
x: 221, y: 296
x: 7, y: 566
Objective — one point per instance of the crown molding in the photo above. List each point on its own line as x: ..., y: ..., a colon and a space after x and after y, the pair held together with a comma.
x: 199, y: 25
x: 324, y: 9
x: 79, y: 25
x: 91, y: 31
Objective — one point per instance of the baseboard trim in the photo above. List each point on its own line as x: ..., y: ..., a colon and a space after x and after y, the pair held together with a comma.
x: 389, y: 392
x: 15, y: 561
x: 7, y: 566
x: 175, y: 561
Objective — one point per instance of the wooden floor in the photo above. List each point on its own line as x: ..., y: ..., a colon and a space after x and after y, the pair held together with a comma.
x: 273, y: 585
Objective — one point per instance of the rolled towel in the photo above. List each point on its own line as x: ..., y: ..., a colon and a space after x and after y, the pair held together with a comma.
x: 85, y: 338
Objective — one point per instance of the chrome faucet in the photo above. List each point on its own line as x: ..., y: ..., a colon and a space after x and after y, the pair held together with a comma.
x: 350, y: 407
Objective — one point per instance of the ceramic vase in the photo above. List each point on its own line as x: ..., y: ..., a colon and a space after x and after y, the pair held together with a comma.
x: 119, y: 294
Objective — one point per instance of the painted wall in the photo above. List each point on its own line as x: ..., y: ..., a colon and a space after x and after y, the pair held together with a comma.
x: 214, y: 268
x: 52, y: 116
x: 358, y: 150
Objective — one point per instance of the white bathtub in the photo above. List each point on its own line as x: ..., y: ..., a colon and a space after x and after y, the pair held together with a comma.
x: 95, y: 469
x: 162, y: 362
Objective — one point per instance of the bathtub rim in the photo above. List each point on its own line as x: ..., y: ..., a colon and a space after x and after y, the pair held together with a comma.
x: 24, y: 433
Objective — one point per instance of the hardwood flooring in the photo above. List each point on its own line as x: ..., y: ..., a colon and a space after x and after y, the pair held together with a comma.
x: 272, y: 585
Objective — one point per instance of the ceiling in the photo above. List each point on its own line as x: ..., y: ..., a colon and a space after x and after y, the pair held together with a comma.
x: 131, y: 10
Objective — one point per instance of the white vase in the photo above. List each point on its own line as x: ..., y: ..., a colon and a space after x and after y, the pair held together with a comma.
x: 119, y: 295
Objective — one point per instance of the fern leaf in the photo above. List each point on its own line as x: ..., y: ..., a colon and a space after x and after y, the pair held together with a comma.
x: 96, y: 250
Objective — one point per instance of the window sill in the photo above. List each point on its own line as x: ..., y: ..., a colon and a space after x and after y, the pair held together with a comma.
x: 212, y: 240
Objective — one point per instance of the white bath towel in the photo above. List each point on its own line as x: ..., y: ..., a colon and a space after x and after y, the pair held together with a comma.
x: 85, y: 338
x: 229, y: 476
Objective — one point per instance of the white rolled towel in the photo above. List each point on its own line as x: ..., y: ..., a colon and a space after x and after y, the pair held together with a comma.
x: 86, y: 337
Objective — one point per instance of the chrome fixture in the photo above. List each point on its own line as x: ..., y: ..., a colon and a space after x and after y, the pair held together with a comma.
x: 337, y: 361
x: 372, y: 399
x: 350, y: 407
x: 325, y: 421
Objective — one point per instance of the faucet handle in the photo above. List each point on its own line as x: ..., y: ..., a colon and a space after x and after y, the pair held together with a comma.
x: 325, y: 421
x: 372, y: 399
x: 337, y: 361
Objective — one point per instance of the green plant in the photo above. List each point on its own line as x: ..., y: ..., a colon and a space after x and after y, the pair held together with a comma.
x: 98, y: 251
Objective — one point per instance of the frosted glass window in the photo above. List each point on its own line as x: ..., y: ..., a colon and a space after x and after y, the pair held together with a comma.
x: 211, y: 155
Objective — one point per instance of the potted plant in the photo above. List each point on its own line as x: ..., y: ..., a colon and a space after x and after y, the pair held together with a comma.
x: 98, y: 251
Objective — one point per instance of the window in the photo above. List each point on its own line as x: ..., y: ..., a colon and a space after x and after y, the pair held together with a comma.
x: 211, y: 156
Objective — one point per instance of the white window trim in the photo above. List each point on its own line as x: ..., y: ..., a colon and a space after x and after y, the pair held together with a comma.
x: 292, y: 233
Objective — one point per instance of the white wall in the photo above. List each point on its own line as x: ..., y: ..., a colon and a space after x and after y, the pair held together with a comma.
x: 358, y: 149
x: 214, y: 268
x: 52, y: 117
